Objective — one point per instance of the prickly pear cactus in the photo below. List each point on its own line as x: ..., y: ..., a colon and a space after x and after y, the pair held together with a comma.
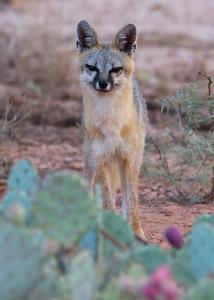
x: 119, y: 229
x: 65, y: 210
x: 90, y: 241
x: 24, y: 178
x: 200, y: 249
x: 151, y: 257
x: 181, y: 267
x: 82, y: 277
x: 126, y: 285
x: 16, y: 207
x: 21, y: 260
x: 205, y: 219
x: 112, y: 292
x: 202, y: 291
x: 23, y: 184
x: 51, y: 285
x: 195, y: 259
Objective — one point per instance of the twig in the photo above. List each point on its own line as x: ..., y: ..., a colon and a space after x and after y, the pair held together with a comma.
x: 163, y: 158
x: 201, y: 165
x: 114, y: 241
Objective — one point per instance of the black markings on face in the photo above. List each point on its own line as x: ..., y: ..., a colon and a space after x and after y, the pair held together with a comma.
x: 104, y: 66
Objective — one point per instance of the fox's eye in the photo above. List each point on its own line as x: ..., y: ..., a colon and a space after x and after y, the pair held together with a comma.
x: 91, y: 68
x: 117, y: 69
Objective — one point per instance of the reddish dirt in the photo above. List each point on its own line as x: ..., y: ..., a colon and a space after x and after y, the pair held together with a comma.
x: 158, y: 213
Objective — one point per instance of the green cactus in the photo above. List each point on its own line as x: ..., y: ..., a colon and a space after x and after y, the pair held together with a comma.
x: 24, y: 178
x: 21, y: 260
x: 111, y: 292
x: 202, y: 291
x: 151, y: 257
x: 66, y: 217
x: 181, y: 267
x: 51, y: 285
x: 205, y: 218
x: 195, y: 259
x: 200, y: 249
x: 23, y: 184
x: 114, y: 289
x: 120, y: 230
x: 82, y: 277
x: 90, y: 241
x: 65, y: 210
x: 16, y: 207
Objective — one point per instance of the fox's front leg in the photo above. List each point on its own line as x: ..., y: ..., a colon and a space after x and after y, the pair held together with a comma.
x: 103, y: 178
x: 130, y: 191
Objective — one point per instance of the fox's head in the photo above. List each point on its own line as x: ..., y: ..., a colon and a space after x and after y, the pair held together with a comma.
x: 105, y: 67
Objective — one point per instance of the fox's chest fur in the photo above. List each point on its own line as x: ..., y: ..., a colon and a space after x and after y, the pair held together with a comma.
x: 110, y: 123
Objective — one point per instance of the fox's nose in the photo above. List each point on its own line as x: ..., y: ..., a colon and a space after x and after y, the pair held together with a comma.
x: 103, y: 84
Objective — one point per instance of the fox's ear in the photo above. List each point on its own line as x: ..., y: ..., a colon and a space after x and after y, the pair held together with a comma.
x: 87, y: 37
x: 126, y: 39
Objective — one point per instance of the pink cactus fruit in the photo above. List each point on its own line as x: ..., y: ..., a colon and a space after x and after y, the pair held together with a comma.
x: 160, y: 285
x: 170, y: 290
x: 174, y: 237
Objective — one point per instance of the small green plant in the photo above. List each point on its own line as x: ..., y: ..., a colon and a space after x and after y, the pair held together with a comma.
x: 184, y: 158
x: 9, y: 122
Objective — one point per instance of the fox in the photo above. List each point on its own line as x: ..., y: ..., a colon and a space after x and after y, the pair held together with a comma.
x: 114, y: 118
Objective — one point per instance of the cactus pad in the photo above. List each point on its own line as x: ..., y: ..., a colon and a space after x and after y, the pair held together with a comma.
x: 24, y: 178
x: 16, y: 207
x: 203, y: 291
x: 200, y: 248
x: 119, y: 229
x: 21, y: 260
x: 89, y: 241
x: 150, y: 256
x: 82, y: 277
x: 65, y: 209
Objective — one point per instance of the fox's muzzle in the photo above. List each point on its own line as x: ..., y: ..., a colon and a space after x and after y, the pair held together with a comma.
x: 103, y: 86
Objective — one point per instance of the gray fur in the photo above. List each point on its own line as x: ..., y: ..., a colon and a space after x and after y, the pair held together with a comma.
x: 86, y: 35
x: 104, y: 60
x: 126, y: 39
x: 140, y: 104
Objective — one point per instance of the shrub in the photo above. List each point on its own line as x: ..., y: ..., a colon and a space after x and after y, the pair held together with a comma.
x: 184, y: 157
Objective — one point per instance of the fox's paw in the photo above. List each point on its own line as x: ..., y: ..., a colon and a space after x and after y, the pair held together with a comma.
x: 140, y: 236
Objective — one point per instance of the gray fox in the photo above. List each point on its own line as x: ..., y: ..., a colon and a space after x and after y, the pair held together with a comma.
x: 114, y: 118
